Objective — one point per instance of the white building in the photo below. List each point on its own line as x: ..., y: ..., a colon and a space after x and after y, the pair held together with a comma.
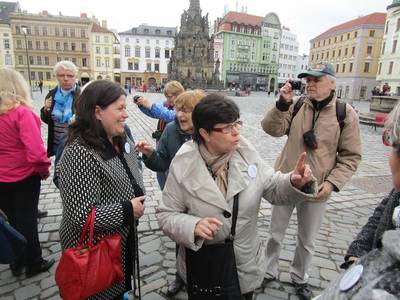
x: 389, y: 62
x: 6, y: 42
x: 145, y: 53
x: 288, y: 56
x: 302, y: 64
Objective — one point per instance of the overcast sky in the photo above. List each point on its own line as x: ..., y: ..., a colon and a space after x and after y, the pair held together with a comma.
x: 306, y: 18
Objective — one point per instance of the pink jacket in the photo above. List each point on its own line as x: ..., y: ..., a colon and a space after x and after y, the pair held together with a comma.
x: 22, y: 152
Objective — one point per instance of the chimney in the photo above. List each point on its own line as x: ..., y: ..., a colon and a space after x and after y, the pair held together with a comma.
x: 83, y: 16
x: 59, y: 13
x: 45, y: 13
x: 104, y: 24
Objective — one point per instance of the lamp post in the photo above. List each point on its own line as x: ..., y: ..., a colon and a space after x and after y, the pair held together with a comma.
x: 25, y: 31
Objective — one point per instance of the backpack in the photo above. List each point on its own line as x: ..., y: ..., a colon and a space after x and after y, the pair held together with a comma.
x: 340, y: 111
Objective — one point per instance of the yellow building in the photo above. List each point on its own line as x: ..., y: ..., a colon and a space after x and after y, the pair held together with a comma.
x: 353, y: 48
x: 102, y: 51
x: 44, y: 39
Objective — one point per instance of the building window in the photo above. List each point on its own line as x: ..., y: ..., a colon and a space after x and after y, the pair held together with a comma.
x: 390, y: 68
x: 137, y: 51
x: 169, y: 32
x: 46, y: 45
x: 136, y: 66
x: 158, y: 31
x: 65, y: 32
x: 72, y: 32
x: 147, y: 52
x: 146, y: 30
x: 97, y: 50
x: 97, y: 39
x: 73, y: 47
x: 379, y: 68
x: 371, y: 33
x: 33, y: 75
x: 337, y: 68
x: 6, y: 44
x: 148, y: 67
x: 351, y: 67
x: 383, y: 47
x: 355, y: 34
x: 31, y: 61
x: 148, y: 42
x: 157, y: 67
x: 44, y: 31
x: 58, y: 46
x: 366, y: 67
x: 40, y: 75
x: 127, y: 51
x: 30, y: 45
x: 353, y: 50
x: 166, y: 54
x: 65, y: 46
x: 20, y: 60
x: 106, y: 39
x: 37, y: 44
x: 394, y: 46
x: 369, y: 50
x: 98, y: 62
x: 46, y: 60
x: 398, y: 24
x: 106, y: 50
x: 343, y: 68
x: 48, y: 76
x: 83, y: 33
x: 36, y: 30
x: 83, y: 47
x: 130, y: 66
x: 19, y: 44
x: 39, y: 60
x: 8, y: 60
x: 107, y: 62
x: 339, y: 53
x: 56, y: 31
x: 333, y: 54
x: 84, y: 62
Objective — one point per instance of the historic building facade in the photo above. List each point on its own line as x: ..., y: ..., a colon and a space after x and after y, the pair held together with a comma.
x: 43, y: 39
x: 6, y: 44
x: 389, y: 62
x: 192, y: 62
x: 251, y: 47
x: 145, y: 54
x: 353, y: 48
x: 102, y: 51
x: 288, y: 56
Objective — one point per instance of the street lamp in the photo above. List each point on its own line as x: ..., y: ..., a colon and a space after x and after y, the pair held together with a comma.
x: 25, y: 31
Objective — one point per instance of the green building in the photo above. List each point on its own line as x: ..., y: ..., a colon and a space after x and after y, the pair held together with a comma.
x: 248, y: 49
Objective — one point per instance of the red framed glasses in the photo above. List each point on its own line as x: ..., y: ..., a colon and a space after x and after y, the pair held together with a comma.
x: 387, y: 138
x: 228, y: 128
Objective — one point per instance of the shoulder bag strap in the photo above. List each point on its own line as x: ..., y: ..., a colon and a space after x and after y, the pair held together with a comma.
x: 234, y: 216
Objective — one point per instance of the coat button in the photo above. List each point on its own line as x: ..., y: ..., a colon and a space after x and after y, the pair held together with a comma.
x: 227, y: 214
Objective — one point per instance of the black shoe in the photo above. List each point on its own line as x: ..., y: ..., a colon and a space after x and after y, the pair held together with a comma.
x: 36, y: 269
x: 16, y: 269
x: 175, y: 286
x: 303, y: 291
x: 42, y: 213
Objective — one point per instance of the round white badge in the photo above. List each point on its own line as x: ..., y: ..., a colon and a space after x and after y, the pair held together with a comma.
x: 351, y: 277
x: 127, y: 148
x: 252, y: 171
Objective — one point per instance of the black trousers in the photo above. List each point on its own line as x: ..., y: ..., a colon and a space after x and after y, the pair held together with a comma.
x: 19, y: 201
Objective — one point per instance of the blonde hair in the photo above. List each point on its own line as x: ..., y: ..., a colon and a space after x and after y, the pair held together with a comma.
x: 190, y: 98
x: 393, y: 124
x: 14, y: 90
x: 173, y: 88
x: 65, y: 65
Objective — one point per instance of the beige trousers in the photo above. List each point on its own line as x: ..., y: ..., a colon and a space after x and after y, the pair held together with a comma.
x: 309, y: 220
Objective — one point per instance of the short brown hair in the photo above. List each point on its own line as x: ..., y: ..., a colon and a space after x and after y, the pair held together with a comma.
x: 173, y: 88
x: 189, y: 98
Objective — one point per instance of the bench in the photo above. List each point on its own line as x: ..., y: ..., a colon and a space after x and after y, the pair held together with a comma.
x: 380, y: 119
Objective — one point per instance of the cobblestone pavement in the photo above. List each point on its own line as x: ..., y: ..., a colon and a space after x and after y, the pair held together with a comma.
x: 347, y: 212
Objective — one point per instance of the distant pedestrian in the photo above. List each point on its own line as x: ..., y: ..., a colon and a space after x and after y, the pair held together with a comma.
x: 23, y: 164
x: 41, y: 86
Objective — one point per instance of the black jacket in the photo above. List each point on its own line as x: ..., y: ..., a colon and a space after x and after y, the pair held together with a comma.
x: 45, y: 115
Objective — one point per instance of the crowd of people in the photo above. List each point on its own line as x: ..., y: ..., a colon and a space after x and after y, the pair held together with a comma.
x: 212, y: 181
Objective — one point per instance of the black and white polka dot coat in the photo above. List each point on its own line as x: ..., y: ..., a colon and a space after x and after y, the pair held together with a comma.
x: 87, y: 180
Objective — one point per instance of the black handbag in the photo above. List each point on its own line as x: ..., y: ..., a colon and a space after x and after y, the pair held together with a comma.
x: 211, y: 271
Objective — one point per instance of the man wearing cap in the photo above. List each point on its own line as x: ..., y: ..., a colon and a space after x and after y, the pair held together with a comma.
x: 332, y: 153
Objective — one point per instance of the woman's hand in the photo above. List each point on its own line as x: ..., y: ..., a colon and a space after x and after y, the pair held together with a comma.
x: 352, y: 258
x: 207, y: 228
x: 302, y: 173
x: 138, y: 207
x: 47, y: 103
x: 324, y: 190
x: 144, y: 147
x: 142, y: 101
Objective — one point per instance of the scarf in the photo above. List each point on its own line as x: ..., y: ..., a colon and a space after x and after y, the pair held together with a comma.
x: 217, y: 164
x: 62, y: 110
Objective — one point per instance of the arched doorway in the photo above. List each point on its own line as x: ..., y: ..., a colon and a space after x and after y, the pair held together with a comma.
x: 272, y: 84
x: 99, y: 77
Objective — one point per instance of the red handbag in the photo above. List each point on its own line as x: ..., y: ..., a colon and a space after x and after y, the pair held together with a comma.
x: 89, y: 269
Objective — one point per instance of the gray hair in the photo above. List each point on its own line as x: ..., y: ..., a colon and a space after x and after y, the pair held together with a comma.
x: 393, y: 124
x: 65, y: 65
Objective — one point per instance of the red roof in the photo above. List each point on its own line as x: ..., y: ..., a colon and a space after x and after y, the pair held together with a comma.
x: 372, y: 19
x: 242, y: 18
x: 97, y: 28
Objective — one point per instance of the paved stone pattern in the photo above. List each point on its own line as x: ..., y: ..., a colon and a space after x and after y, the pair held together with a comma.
x: 347, y: 212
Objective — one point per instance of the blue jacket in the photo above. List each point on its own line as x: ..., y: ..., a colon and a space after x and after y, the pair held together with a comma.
x: 159, y: 111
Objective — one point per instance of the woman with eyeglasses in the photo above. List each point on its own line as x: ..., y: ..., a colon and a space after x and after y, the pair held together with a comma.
x: 374, y: 256
x: 204, y: 178
x: 58, y: 107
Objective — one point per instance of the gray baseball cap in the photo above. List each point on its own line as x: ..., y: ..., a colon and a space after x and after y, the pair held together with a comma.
x: 325, y: 70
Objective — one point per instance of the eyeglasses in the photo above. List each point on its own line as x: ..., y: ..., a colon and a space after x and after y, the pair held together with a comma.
x: 387, y: 138
x: 185, y: 110
x: 228, y: 128
x: 69, y: 76
x: 169, y: 96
